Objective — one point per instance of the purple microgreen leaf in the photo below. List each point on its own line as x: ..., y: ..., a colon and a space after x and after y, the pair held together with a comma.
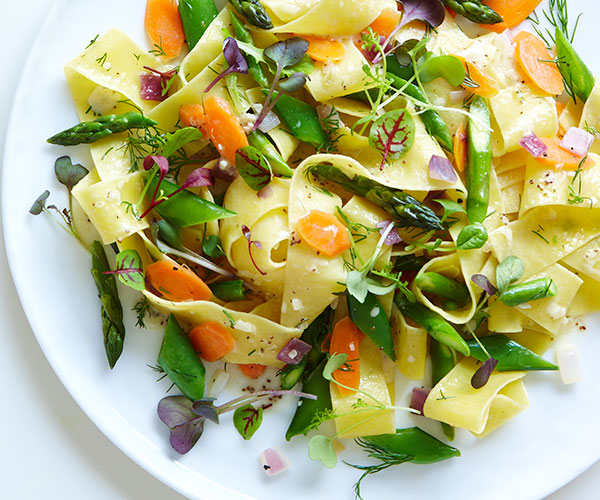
x: 482, y: 281
x: 198, y: 178
x: 247, y: 420
x: 483, y: 374
x: 392, y: 237
x: 248, y: 235
x: 161, y: 161
x: 393, y: 134
x: 295, y: 82
x: 67, y: 173
x: 287, y: 52
x: 235, y: 60
x: 129, y: 270
x: 253, y: 167
x: 293, y: 352
x: 151, y: 88
x: 418, y: 397
x: 206, y: 409
x: 440, y: 169
x: 431, y: 12
x: 183, y: 437
x: 175, y: 410
x: 39, y: 204
x: 166, y: 79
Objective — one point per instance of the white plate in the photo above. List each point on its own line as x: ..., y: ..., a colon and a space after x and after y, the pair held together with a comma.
x: 531, y: 456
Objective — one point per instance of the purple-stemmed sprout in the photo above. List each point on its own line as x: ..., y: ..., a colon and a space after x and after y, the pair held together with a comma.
x: 248, y: 235
x: 483, y: 374
x: 235, y: 59
x: 482, y: 281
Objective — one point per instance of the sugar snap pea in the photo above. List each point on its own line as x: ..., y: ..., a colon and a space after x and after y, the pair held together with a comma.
x: 510, y: 355
x: 530, y: 290
x: 443, y: 359
x: 229, y: 291
x: 578, y: 77
x: 301, y: 119
x: 440, y: 285
x: 370, y: 318
x: 196, y: 16
x: 261, y: 142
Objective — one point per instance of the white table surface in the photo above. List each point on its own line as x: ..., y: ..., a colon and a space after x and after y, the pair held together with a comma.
x: 48, y: 447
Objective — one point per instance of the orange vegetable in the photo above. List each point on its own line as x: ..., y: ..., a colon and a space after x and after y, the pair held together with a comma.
x: 460, y: 148
x: 192, y: 115
x: 253, y: 370
x: 223, y: 128
x: 386, y: 22
x: 532, y: 57
x: 211, y: 340
x: 560, y: 158
x: 513, y: 12
x: 345, y: 339
x: 176, y: 282
x: 325, y: 49
x: 323, y: 232
x: 163, y: 26
x: 486, y: 86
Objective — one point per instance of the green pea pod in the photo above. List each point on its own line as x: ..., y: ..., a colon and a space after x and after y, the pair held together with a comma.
x: 292, y: 374
x: 186, y: 208
x: 479, y: 161
x: 307, y: 409
x: 180, y: 362
x: 370, y: 318
x: 440, y: 285
x: 412, y: 442
x: 434, y: 123
x: 528, y: 291
x: 437, y: 327
x: 510, y: 355
x: 576, y: 74
x: 443, y: 359
x: 254, y: 68
x: 409, y: 263
x: 196, y: 16
x: 394, y: 67
x: 261, y: 142
x: 229, y: 291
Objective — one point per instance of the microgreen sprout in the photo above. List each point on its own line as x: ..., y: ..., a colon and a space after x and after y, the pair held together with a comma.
x: 248, y: 235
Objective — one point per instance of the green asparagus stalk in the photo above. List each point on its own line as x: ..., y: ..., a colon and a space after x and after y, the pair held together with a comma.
x: 254, y: 68
x: 111, y: 310
x: 254, y: 12
x: 87, y: 132
x: 475, y: 11
x: 402, y: 207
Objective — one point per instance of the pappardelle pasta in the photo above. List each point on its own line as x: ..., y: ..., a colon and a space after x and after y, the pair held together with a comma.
x: 342, y: 190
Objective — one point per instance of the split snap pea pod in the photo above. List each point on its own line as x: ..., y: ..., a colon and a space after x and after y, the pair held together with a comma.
x: 180, y: 362
x: 88, y: 132
x: 111, y: 310
x: 576, y: 74
x: 261, y: 142
x: 254, y: 68
x: 510, y: 355
x: 479, y: 161
x: 370, y: 318
x: 434, y: 123
x: 440, y: 285
x: 229, y: 291
x: 528, y: 291
x: 443, y: 359
x: 196, y: 16
x: 437, y: 327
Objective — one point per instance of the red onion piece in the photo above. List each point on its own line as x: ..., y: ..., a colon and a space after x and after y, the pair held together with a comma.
x: 392, y: 237
x: 265, y: 192
x: 293, y: 352
x: 483, y: 374
x: 273, y: 461
x: 534, y: 145
x: 417, y: 400
x: 224, y: 170
x: 577, y: 141
x: 441, y: 169
x: 151, y: 88
x: 269, y: 122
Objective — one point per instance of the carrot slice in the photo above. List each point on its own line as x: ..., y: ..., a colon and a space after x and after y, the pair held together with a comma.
x: 176, y: 282
x: 485, y: 86
x: 211, y: 340
x: 163, y: 26
x: 252, y: 370
x: 560, y: 158
x: 345, y: 339
x: 532, y: 57
x: 513, y: 12
x: 192, y: 115
x: 460, y: 148
x: 386, y: 22
x: 223, y: 128
x: 325, y: 49
x: 323, y: 232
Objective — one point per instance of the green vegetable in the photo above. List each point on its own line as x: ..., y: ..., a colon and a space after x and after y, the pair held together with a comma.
x: 370, y: 318
x: 111, y: 310
x: 211, y: 247
x: 254, y: 13
x: 253, y: 167
x: 434, y: 123
x: 254, y: 68
x: 196, y: 16
x: 392, y: 134
x: 402, y: 207
x: 87, y: 132
x: 528, y: 291
x: 180, y: 362
x: 474, y: 10
x: 508, y: 271
x: 247, y: 420
x: 261, y: 142
x: 409, y: 263
x: 443, y: 359
x: 510, y: 355
x: 472, y: 236
x: 437, y: 327
x: 578, y: 77
x: 229, y: 291
x: 442, y: 286
x: 129, y: 269
x: 449, y: 68
x: 301, y: 119
x: 479, y: 161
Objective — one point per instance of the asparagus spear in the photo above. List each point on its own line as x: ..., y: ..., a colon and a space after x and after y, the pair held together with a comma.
x: 254, y: 13
x: 87, y: 132
x: 111, y: 310
x: 402, y: 207
x: 474, y: 10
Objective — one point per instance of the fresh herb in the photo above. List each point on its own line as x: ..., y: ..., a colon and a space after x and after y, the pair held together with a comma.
x: 92, y: 42
x: 253, y: 167
x: 508, y: 271
x: 141, y: 309
x: 248, y: 235
x: 472, y: 237
x: 575, y: 197
x: 129, y: 270
x: 235, y: 59
x: 247, y: 420
x: 158, y: 50
x: 481, y: 377
x: 393, y: 134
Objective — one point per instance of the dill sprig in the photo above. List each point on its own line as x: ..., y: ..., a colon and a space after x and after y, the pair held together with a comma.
x: 141, y: 308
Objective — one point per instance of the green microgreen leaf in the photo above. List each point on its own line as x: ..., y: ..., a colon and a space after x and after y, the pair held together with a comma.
x: 393, y: 134
x: 247, y: 420
x: 212, y: 247
x: 508, y: 271
x: 253, y: 167
x: 451, y: 207
x: 449, y: 68
x: 295, y: 82
x: 472, y: 237
x: 67, y: 173
x: 178, y: 139
x: 321, y: 448
x: 39, y: 204
x: 334, y: 362
x: 129, y: 270
x: 403, y: 51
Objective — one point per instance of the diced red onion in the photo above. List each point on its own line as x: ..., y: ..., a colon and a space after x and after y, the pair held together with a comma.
x: 269, y: 122
x: 441, y: 169
x: 577, y: 141
x: 265, y: 192
x: 151, y: 88
x: 418, y: 397
x: 293, y: 352
x: 224, y: 170
x: 568, y: 362
x: 534, y: 145
x: 273, y: 461
x: 457, y: 96
x: 392, y: 237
